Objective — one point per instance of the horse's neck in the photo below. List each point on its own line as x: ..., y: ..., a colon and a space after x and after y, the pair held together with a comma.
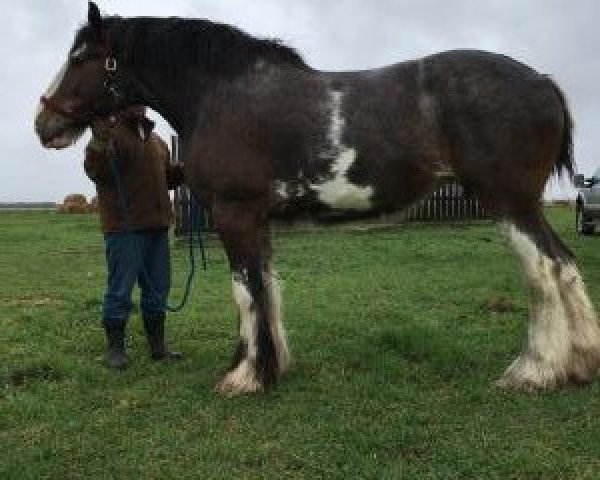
x: 173, y: 98
x: 165, y: 98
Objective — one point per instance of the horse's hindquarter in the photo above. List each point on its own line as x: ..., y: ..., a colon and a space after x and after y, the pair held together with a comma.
x: 498, y: 117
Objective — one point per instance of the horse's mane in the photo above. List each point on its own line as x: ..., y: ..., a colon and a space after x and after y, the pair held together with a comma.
x: 178, y: 43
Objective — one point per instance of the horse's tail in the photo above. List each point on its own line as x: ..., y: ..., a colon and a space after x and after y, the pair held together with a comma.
x: 565, y: 160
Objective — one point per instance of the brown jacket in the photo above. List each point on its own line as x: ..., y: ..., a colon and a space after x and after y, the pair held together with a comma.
x: 145, y: 176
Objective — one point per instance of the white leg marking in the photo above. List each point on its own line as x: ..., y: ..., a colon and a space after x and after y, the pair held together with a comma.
x: 583, y: 325
x: 277, y: 330
x: 545, y: 353
x: 243, y: 377
x: 339, y: 192
x: 80, y: 51
x: 550, y: 355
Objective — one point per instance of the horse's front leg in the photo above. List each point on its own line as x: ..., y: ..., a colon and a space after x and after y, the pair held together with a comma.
x: 261, y: 354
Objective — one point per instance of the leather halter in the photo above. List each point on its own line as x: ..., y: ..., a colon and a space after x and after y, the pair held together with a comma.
x: 80, y: 113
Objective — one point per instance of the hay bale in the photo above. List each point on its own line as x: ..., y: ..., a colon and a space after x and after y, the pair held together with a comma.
x: 74, y: 203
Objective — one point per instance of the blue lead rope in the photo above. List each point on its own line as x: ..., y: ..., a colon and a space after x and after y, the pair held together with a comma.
x: 193, y: 227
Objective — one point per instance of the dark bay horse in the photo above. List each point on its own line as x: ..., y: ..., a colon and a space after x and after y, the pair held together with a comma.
x: 263, y: 135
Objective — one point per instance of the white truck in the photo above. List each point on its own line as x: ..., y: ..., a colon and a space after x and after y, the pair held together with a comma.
x: 587, y: 211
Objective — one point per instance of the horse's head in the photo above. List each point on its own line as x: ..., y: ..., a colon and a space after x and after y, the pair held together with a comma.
x: 86, y: 87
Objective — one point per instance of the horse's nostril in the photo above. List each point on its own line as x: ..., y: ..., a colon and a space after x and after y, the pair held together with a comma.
x: 47, y: 125
x: 39, y: 130
x: 43, y: 129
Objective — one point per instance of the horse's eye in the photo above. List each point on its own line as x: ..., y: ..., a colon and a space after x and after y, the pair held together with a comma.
x: 76, y: 61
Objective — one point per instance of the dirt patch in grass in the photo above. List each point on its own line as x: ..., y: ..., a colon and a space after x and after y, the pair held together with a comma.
x: 499, y: 304
x: 27, y: 375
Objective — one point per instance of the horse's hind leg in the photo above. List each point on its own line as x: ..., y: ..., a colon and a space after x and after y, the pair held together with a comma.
x: 261, y: 354
x: 563, y: 337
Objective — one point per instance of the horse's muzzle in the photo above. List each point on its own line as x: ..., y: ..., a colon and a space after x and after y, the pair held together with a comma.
x: 53, y: 130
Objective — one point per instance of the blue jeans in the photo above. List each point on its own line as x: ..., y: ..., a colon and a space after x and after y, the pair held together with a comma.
x: 138, y: 255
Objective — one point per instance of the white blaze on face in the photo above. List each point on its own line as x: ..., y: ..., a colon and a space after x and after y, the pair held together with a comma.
x: 51, y: 90
x: 58, y: 78
x: 55, y: 129
x: 339, y: 192
x: 80, y: 51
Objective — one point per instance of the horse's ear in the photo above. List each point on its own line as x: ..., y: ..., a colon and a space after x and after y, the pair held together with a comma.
x: 94, y: 17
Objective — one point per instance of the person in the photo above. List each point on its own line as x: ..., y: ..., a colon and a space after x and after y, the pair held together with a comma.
x: 129, y: 165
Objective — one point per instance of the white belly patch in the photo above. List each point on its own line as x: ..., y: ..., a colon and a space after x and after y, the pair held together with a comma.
x: 337, y: 192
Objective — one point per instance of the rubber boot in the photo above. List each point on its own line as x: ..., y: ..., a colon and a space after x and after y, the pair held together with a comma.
x: 115, y: 338
x: 154, y: 324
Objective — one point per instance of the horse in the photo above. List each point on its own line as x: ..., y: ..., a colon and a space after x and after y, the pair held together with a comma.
x: 264, y: 135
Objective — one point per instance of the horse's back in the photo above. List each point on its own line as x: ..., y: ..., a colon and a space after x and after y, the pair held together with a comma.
x: 474, y: 79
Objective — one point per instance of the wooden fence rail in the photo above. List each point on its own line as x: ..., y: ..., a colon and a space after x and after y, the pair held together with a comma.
x: 450, y: 203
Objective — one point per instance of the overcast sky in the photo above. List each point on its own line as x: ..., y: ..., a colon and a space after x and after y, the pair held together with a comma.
x: 558, y: 37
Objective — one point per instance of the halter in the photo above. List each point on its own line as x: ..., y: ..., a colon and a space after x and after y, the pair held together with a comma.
x: 79, y: 113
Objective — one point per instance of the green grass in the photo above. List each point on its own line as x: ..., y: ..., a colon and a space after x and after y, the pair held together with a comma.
x: 397, y: 336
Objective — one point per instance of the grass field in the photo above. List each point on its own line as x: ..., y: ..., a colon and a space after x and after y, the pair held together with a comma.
x: 397, y: 336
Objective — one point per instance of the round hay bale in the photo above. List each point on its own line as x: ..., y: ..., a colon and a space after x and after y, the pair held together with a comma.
x: 74, y: 203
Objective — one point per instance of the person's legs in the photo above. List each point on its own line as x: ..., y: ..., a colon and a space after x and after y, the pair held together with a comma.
x: 122, y: 261
x: 155, y: 281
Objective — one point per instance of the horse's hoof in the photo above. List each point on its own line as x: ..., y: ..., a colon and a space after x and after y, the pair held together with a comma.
x: 513, y: 384
x: 240, y: 380
x: 529, y: 375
